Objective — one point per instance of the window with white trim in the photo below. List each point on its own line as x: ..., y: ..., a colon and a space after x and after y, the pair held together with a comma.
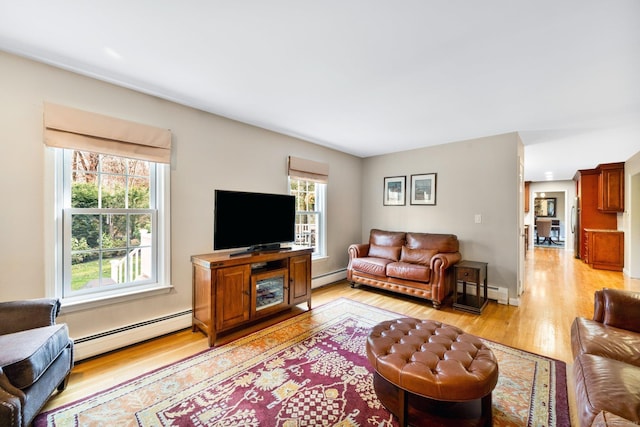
x: 110, y: 226
x: 310, y: 217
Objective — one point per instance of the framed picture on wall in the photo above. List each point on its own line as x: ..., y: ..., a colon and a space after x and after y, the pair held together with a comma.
x: 423, y: 189
x: 394, y: 191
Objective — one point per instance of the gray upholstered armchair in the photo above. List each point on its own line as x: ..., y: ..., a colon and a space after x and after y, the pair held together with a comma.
x: 36, y: 357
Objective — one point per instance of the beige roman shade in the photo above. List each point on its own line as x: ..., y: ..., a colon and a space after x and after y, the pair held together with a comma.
x: 66, y: 127
x: 308, y: 169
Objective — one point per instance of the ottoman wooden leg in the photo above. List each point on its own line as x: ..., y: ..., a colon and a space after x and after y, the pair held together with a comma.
x: 403, y: 407
x: 487, y: 409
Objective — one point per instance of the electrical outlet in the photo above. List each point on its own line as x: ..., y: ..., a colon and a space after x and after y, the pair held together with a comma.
x: 478, y: 218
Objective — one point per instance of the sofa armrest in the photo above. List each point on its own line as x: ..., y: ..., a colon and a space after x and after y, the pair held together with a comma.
x: 617, y: 308
x: 444, y: 260
x: 441, y: 285
x: 357, y: 250
x: 16, y: 316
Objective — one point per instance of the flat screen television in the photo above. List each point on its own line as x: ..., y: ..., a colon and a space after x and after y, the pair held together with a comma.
x: 256, y: 221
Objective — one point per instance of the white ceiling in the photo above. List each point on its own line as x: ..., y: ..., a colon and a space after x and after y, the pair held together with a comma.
x: 368, y: 77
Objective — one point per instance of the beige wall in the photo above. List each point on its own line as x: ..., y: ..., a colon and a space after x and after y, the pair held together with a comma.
x: 209, y: 152
x: 477, y: 176
x: 474, y: 177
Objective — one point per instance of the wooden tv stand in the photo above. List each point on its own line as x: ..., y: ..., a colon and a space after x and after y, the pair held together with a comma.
x: 230, y: 291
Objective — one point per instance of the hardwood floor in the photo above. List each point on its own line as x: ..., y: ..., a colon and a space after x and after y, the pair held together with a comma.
x: 557, y: 289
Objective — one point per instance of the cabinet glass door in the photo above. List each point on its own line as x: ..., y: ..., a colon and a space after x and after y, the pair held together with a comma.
x: 270, y: 289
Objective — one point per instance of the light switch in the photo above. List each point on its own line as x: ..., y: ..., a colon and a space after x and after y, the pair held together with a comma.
x: 478, y: 219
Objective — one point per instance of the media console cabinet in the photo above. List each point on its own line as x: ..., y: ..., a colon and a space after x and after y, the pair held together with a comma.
x: 230, y: 291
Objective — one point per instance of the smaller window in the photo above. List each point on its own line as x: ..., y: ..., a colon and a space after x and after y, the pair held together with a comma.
x: 310, y: 208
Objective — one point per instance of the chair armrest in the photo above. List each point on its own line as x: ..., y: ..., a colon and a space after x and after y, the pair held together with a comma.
x: 617, y: 308
x: 16, y: 316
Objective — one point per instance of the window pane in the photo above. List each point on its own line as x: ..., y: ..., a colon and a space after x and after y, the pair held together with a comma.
x: 85, y: 230
x: 114, y: 231
x: 112, y: 191
x: 140, y: 230
x: 85, y: 270
x: 85, y: 161
x: 138, y: 168
x: 306, y: 230
x: 84, y: 194
x: 115, y: 267
x: 113, y: 164
x: 138, y: 193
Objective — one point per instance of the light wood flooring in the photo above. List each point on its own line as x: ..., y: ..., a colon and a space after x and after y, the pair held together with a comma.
x: 557, y: 289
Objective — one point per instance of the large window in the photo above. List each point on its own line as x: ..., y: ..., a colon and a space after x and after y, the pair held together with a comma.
x: 310, y: 208
x: 110, y: 211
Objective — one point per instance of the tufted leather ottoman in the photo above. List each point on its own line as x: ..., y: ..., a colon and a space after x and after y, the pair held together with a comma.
x: 428, y: 366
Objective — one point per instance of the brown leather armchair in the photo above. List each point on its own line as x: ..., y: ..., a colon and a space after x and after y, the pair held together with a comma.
x: 607, y: 360
x: 36, y: 357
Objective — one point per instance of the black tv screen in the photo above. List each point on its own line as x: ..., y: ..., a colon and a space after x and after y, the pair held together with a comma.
x: 254, y: 220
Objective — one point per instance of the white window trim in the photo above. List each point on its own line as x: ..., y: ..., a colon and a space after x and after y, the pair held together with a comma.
x: 52, y: 239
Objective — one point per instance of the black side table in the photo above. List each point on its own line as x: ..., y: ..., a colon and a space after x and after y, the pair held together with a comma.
x: 473, y: 272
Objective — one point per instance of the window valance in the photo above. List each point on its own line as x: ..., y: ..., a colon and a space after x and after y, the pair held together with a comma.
x: 308, y: 169
x: 66, y: 127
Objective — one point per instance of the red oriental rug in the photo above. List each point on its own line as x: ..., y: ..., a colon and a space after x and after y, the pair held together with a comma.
x: 309, y: 370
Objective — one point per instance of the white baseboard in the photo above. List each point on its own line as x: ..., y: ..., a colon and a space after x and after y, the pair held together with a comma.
x: 112, y: 340
x: 493, y: 292
x: 328, y: 278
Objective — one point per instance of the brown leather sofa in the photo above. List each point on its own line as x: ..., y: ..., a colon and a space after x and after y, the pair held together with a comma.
x: 416, y: 264
x: 607, y: 360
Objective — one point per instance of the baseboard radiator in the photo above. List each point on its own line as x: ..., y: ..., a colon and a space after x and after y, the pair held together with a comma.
x: 325, y: 279
x: 501, y: 295
x: 114, y: 339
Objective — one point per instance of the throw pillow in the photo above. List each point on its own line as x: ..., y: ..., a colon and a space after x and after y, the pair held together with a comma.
x: 417, y: 256
x: 387, y: 252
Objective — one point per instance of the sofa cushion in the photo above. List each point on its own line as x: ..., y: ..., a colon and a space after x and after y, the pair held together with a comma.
x: 387, y: 238
x: 386, y: 252
x: 368, y: 265
x: 26, y: 355
x: 439, y: 242
x: 407, y: 271
x: 606, y: 385
x: 589, y: 336
x: 417, y: 256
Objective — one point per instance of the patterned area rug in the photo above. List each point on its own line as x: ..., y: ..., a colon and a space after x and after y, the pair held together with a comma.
x: 309, y: 370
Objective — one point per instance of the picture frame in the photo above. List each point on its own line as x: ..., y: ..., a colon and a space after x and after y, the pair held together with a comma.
x: 423, y: 189
x: 545, y: 207
x: 394, y: 192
